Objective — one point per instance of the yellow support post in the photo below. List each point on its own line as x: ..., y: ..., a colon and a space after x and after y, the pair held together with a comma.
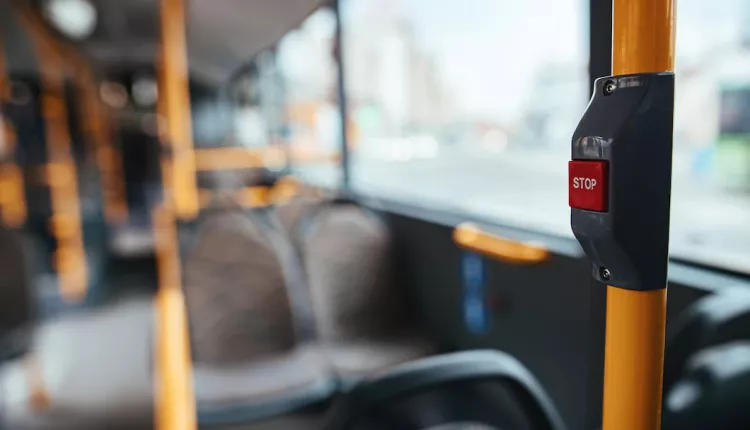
x: 175, y: 400
x: 12, y: 194
x: 643, y: 42
x: 175, y: 92
x: 62, y: 177
x: 96, y: 124
x: 94, y: 115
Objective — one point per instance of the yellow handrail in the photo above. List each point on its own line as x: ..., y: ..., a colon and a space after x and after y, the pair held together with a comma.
x: 471, y: 237
x: 175, y: 400
x: 96, y: 123
x: 12, y: 194
x: 174, y: 91
x: 247, y: 197
x: 61, y: 170
x: 94, y: 115
x: 284, y: 190
x: 211, y: 159
x: 643, y: 42
x: 229, y: 158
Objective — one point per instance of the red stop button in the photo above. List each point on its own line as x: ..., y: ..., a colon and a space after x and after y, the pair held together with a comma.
x: 587, y: 185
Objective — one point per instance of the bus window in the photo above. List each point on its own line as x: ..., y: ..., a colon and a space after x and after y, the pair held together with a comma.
x: 313, y: 128
x: 467, y: 105
x: 711, y: 173
x: 451, y: 111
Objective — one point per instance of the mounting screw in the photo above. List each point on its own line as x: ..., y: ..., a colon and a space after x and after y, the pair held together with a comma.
x: 604, y: 273
x: 609, y: 87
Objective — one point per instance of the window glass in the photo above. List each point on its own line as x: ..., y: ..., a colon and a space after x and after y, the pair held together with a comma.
x: 711, y: 173
x: 251, y: 92
x: 470, y: 107
x: 467, y: 104
x: 313, y: 121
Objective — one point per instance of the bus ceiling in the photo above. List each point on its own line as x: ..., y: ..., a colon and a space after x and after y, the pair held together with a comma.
x: 222, y: 34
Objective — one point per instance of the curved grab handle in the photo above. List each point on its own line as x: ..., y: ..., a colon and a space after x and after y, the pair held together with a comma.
x: 470, y: 236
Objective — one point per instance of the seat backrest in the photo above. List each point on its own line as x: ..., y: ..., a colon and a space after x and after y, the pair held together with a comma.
x: 712, y: 320
x: 476, y: 389
x: 713, y: 391
x: 346, y: 253
x: 235, y: 289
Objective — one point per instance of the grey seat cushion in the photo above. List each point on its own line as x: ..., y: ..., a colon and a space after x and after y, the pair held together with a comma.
x: 95, y: 366
x: 264, y: 388
x: 354, y: 360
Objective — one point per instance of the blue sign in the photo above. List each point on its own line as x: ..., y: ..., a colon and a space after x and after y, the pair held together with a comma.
x: 475, y: 309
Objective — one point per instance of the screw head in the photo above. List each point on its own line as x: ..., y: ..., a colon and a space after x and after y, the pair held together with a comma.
x: 609, y: 87
x: 604, y: 273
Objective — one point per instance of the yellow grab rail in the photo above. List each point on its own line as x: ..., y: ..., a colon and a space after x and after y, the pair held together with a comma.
x: 175, y: 401
x: 175, y: 107
x: 284, y: 190
x: 96, y: 123
x: 12, y: 193
x: 93, y: 114
x: 61, y: 174
x: 471, y: 237
x: 642, y: 42
x: 247, y: 197
x: 227, y: 159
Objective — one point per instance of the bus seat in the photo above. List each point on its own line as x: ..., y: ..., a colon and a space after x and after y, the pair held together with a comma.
x: 262, y: 388
x: 481, y: 389
x: 290, y: 212
x: 253, y: 351
x: 361, y: 316
x: 712, y: 320
x: 15, y: 294
x: 234, y: 291
x: 94, y: 369
x: 713, y: 390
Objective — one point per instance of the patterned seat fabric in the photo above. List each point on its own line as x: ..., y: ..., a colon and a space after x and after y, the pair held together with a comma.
x: 348, y: 263
x: 361, y: 315
x: 235, y: 292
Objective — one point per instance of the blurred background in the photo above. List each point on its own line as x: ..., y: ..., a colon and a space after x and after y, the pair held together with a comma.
x: 278, y: 190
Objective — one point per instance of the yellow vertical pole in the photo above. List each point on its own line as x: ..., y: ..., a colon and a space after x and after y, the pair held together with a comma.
x: 12, y: 194
x: 176, y: 107
x: 643, y: 42
x: 96, y: 125
x: 175, y: 400
x: 62, y: 177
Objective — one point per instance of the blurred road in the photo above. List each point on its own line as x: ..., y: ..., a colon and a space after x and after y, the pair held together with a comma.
x: 528, y: 188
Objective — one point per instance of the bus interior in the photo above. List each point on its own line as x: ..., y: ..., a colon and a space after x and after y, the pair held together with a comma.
x: 347, y: 215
